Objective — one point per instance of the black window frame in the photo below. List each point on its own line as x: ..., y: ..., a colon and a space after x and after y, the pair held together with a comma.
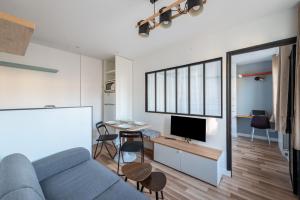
x: 189, y: 93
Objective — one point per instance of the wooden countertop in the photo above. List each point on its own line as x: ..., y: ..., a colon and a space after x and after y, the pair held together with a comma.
x: 245, y: 116
x: 199, y: 150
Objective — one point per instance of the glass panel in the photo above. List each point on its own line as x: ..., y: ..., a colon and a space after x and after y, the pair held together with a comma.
x: 160, y: 91
x: 196, y: 89
x: 213, y: 88
x: 151, y: 92
x: 171, y: 91
x: 182, y: 90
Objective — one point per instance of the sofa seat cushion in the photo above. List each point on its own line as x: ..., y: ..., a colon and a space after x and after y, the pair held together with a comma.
x: 18, y: 179
x: 85, y: 181
x: 122, y: 190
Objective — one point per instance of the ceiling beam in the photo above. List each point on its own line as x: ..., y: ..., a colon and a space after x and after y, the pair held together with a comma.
x: 15, y: 34
x: 169, y: 7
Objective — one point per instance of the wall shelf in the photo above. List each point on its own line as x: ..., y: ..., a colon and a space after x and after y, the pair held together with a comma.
x: 27, y: 67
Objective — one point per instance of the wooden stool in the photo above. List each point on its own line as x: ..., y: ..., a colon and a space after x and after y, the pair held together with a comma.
x: 137, y: 172
x: 155, y: 182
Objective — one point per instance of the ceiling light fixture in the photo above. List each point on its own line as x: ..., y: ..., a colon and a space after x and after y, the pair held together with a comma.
x: 165, y: 18
x: 193, y: 7
x: 144, y: 28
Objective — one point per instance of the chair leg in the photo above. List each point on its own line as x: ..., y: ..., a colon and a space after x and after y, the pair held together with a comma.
x: 118, y: 163
x: 253, y: 129
x: 111, y: 156
x: 96, y: 149
x: 137, y: 185
x: 162, y: 194
x: 156, y: 195
x: 122, y: 157
x: 142, y: 189
x: 99, y: 151
x: 267, y: 132
x: 115, y: 148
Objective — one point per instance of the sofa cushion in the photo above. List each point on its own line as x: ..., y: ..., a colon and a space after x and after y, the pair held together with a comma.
x: 22, y: 194
x: 85, y: 181
x: 56, y: 163
x: 121, y: 190
x: 18, y: 179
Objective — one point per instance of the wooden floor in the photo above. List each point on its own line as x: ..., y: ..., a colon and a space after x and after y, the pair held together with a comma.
x: 259, y: 172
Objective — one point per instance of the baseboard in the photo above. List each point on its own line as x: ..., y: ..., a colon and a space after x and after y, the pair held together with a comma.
x: 226, y: 172
x: 257, y: 137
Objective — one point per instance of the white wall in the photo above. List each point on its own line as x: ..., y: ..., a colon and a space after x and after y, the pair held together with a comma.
x: 41, y: 132
x: 71, y: 86
x: 203, y: 47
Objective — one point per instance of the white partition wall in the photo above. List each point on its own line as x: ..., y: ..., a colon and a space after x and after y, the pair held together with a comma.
x: 37, y: 133
x: 123, y: 88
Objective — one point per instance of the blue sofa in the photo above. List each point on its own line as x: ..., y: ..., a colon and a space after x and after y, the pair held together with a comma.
x: 70, y: 174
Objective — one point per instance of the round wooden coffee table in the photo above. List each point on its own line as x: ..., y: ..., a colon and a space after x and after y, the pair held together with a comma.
x: 137, y: 172
x: 155, y: 182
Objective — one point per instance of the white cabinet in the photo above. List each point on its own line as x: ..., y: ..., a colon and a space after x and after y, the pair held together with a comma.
x: 199, y: 167
x: 200, y: 162
x: 167, y: 156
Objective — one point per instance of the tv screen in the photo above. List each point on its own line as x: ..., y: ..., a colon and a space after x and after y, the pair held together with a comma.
x: 188, y: 127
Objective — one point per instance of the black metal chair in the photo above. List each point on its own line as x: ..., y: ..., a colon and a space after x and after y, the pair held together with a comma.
x: 258, y: 112
x: 260, y: 122
x: 104, y: 138
x: 130, y: 144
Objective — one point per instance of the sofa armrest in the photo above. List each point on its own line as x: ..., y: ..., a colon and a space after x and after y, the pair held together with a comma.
x: 59, y: 162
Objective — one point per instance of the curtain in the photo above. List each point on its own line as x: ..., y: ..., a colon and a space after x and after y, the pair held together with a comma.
x: 282, y: 89
x: 275, y: 75
x: 171, y: 91
x: 182, y: 90
x: 196, y: 85
x: 296, y: 124
x: 160, y: 92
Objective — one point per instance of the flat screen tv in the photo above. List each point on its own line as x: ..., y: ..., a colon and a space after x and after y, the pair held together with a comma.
x: 188, y: 127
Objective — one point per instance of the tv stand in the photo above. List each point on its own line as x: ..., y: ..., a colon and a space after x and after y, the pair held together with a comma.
x: 195, y: 160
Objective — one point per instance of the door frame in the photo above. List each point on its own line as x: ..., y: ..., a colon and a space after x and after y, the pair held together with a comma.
x: 229, y: 55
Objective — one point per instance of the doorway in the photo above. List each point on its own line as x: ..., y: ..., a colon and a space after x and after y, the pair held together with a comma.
x: 230, y: 112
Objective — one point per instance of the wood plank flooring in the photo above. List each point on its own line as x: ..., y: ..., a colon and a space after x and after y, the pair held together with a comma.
x: 259, y: 173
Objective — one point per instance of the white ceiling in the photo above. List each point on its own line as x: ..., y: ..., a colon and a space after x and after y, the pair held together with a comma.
x: 255, y: 57
x: 102, y: 28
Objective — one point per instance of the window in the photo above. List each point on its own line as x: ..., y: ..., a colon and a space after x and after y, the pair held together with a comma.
x: 193, y: 89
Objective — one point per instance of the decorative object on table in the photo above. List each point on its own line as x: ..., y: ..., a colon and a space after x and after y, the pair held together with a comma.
x: 137, y: 172
x: 133, y: 143
x: 104, y: 138
x: 155, y: 182
x: 150, y: 133
x: 165, y: 14
x: 125, y: 126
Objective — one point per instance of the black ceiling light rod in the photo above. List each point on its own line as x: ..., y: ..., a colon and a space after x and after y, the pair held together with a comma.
x: 165, y: 14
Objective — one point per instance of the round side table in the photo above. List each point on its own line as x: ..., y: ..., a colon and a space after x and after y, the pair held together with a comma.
x: 155, y: 182
x: 137, y: 172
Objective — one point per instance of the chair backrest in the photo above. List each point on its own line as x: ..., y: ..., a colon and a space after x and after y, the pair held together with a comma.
x: 100, y: 125
x: 131, y: 134
x: 258, y: 112
x: 261, y: 122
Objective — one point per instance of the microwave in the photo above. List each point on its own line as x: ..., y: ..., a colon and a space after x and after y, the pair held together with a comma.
x: 110, y: 86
